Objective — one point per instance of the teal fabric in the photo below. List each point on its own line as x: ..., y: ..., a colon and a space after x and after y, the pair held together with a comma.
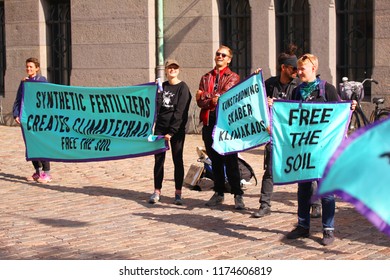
x: 304, y: 137
x: 359, y: 172
x: 67, y: 123
x: 306, y: 89
x: 242, y: 117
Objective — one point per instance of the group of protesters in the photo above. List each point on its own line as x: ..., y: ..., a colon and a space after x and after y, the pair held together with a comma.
x: 297, y: 80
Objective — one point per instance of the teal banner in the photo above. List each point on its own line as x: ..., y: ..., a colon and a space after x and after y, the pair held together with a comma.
x: 359, y: 172
x: 304, y: 137
x: 67, y: 123
x: 242, y: 117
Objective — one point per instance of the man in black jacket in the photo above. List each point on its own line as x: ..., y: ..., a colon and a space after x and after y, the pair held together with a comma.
x: 277, y: 87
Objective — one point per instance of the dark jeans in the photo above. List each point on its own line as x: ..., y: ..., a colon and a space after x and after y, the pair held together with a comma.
x: 267, y: 184
x: 177, y: 144
x: 45, y: 165
x: 219, y: 162
x: 328, y: 207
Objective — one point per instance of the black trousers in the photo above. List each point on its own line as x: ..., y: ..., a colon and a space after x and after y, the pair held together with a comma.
x: 219, y: 162
x: 177, y: 145
x: 45, y: 165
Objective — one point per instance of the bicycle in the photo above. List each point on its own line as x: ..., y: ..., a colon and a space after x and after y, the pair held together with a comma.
x: 353, y: 90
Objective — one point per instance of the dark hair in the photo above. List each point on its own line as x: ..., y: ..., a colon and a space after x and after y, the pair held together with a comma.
x: 33, y: 60
x: 288, y: 53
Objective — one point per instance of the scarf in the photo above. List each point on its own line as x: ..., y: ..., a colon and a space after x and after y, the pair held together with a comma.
x: 307, y: 88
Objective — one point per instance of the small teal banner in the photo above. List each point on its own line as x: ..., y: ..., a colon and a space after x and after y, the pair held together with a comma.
x: 68, y: 123
x: 359, y: 172
x: 242, y: 117
x: 305, y: 135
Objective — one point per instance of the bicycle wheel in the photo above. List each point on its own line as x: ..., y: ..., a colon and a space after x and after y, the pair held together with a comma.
x: 355, y: 123
x: 383, y: 115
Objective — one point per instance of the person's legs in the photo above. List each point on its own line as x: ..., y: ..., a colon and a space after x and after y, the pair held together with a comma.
x: 177, y: 145
x: 233, y: 173
x: 315, y: 205
x: 158, y: 173
x: 38, y: 168
x: 234, y: 178
x: 303, y: 228
x: 45, y: 176
x: 304, y: 195
x: 267, y: 186
x: 328, y: 212
x: 216, y: 165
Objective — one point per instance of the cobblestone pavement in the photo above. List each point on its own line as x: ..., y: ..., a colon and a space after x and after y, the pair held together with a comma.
x: 99, y: 211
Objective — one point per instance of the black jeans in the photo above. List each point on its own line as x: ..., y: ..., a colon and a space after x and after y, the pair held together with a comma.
x: 219, y: 162
x: 177, y: 144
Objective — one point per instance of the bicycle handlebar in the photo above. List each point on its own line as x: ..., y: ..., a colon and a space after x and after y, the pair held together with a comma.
x: 370, y: 80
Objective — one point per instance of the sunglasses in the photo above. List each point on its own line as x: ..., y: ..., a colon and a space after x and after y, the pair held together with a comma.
x: 292, y: 67
x: 303, y: 58
x: 221, y: 54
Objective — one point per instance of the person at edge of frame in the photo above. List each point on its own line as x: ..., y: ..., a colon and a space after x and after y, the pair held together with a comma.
x: 42, y: 168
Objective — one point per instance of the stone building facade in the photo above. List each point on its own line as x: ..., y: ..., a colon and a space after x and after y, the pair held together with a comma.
x: 124, y: 42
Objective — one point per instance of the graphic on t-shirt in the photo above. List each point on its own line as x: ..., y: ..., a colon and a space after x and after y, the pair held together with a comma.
x: 168, y: 99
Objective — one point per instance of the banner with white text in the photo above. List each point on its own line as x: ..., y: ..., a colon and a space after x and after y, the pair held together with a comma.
x: 304, y: 136
x: 242, y: 117
x: 68, y: 123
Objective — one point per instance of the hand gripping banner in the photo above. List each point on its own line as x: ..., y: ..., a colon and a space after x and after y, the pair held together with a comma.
x: 68, y: 123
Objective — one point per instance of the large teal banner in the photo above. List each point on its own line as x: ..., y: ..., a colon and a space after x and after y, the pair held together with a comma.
x: 304, y: 136
x: 67, y: 123
x: 359, y: 172
x: 242, y: 117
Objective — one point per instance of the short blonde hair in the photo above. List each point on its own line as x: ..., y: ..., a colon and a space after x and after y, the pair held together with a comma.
x: 308, y: 58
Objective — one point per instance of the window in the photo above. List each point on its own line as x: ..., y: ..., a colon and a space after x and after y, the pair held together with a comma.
x: 59, y: 42
x: 293, y: 24
x: 236, y: 33
x: 355, y: 40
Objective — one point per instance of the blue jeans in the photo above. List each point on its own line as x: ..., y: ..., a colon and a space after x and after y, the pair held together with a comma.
x: 304, y: 203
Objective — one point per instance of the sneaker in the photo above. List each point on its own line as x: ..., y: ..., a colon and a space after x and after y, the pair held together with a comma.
x: 178, y: 200
x: 216, y: 199
x: 33, y: 177
x: 154, y: 198
x: 328, y: 237
x: 44, y: 178
x: 263, y: 211
x: 298, y: 232
x: 239, y: 202
x: 315, y: 211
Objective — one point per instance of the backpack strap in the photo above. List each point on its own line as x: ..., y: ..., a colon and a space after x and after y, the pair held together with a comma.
x: 321, y: 87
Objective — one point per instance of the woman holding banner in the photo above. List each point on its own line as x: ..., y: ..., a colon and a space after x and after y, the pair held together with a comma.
x: 172, y: 115
x: 42, y: 168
